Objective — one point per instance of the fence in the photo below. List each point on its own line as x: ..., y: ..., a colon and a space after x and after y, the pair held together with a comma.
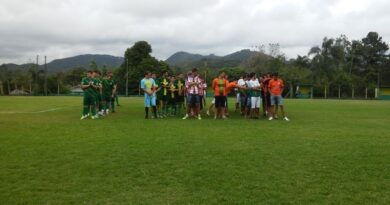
x: 300, y: 92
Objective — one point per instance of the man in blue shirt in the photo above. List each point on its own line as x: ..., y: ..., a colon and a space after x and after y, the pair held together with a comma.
x: 149, y: 87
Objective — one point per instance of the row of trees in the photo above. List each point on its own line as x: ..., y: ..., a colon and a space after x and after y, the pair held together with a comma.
x: 31, y: 81
x: 338, y: 64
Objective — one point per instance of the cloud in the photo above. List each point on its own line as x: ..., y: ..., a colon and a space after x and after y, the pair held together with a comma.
x: 69, y: 27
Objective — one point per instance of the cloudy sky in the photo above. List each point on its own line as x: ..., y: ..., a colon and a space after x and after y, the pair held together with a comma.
x: 64, y: 28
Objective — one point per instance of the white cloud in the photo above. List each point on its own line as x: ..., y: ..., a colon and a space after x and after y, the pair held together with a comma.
x: 65, y: 28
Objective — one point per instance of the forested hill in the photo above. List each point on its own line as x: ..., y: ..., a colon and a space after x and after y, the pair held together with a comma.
x: 187, y: 60
x: 66, y: 64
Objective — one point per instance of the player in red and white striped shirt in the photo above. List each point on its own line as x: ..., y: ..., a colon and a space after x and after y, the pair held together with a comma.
x: 193, y: 85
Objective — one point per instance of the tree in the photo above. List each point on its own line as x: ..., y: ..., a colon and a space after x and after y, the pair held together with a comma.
x: 139, y: 60
x: 93, y: 65
x: 374, y: 53
x: 3, y: 79
x: 60, y: 77
x: 74, y: 75
x: 233, y: 73
x: 294, y: 75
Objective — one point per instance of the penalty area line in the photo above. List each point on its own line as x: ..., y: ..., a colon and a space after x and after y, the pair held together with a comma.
x: 35, y: 112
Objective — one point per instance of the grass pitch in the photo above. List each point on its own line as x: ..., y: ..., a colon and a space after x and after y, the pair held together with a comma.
x: 331, y: 152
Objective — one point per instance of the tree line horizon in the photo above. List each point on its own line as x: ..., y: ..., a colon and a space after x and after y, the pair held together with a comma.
x: 357, y: 65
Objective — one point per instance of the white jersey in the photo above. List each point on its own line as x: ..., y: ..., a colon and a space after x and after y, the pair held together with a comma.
x: 241, y: 82
x: 254, y: 83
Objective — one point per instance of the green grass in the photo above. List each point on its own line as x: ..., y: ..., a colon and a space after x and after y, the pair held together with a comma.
x: 331, y: 152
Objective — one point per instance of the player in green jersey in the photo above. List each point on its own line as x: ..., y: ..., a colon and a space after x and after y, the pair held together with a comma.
x: 99, y: 92
x: 180, y: 84
x: 109, y: 89
x: 172, y: 96
x: 164, y: 81
x: 89, y: 101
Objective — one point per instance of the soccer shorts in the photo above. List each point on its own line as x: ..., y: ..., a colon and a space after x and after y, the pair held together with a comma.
x: 165, y: 98
x: 243, y: 100
x: 248, y: 102
x: 193, y: 99
x: 255, y: 102
x: 179, y: 98
x: 106, y: 98
x: 89, y: 100
x: 276, y: 100
x: 150, y: 100
x: 220, y: 101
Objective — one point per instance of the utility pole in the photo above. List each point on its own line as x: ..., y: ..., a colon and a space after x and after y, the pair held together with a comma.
x: 45, y: 83
x: 127, y: 77
x: 378, y: 79
x: 36, y: 77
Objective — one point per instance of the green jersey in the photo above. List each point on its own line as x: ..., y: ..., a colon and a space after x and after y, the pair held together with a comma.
x: 158, y: 85
x: 108, y: 86
x: 164, y: 82
x: 172, y: 86
x: 97, y: 82
x: 90, y: 91
x: 180, y: 87
x: 255, y: 93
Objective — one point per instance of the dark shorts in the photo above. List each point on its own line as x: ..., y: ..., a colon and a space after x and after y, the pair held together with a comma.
x: 220, y: 101
x: 98, y: 98
x: 89, y: 100
x: 242, y: 100
x: 180, y: 99
x: 172, y: 101
x: 106, y: 98
x: 193, y: 100
x: 165, y: 98
x: 276, y: 100
x: 248, y: 101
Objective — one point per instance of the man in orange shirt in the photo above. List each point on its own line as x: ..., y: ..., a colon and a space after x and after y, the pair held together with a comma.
x: 220, y: 86
x: 276, y: 87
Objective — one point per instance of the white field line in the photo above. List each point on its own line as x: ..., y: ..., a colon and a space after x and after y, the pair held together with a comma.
x: 35, y: 112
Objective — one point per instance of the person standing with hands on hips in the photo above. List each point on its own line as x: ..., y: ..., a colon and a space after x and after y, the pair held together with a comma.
x: 276, y: 87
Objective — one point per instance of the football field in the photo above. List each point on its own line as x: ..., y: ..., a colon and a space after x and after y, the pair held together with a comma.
x: 331, y: 152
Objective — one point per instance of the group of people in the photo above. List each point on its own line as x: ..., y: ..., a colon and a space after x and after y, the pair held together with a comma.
x: 99, y: 94
x: 266, y: 90
x: 168, y: 95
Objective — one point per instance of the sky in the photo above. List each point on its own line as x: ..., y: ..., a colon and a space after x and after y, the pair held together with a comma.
x: 65, y: 28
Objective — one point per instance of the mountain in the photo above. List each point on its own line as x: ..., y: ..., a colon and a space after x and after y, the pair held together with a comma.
x: 13, y: 66
x: 84, y: 61
x: 184, y: 57
x: 77, y: 61
x: 240, y: 55
x: 179, y: 59
x: 186, y: 60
